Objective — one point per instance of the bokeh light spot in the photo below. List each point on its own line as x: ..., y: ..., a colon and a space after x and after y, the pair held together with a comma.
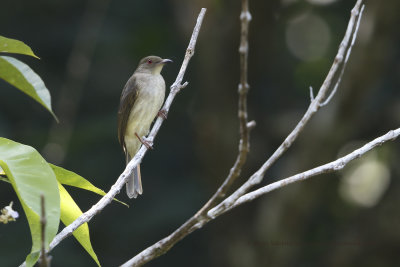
x: 365, y: 184
x: 321, y: 2
x: 308, y: 37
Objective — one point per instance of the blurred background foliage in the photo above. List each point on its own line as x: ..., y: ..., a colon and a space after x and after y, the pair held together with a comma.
x: 89, y: 49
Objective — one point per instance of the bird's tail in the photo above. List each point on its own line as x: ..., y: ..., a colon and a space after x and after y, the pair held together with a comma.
x: 134, y: 183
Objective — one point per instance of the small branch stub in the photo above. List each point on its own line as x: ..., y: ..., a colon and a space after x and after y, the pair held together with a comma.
x: 251, y: 125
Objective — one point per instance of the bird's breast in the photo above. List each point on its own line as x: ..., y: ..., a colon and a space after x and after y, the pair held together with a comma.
x: 151, y: 93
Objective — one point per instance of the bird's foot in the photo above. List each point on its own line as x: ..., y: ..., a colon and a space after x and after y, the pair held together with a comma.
x: 163, y: 114
x: 147, y: 142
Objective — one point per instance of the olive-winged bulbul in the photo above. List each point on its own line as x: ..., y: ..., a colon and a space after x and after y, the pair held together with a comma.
x: 141, y: 100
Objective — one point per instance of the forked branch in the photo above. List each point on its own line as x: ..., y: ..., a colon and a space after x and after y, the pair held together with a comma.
x: 207, y: 213
x: 315, y: 105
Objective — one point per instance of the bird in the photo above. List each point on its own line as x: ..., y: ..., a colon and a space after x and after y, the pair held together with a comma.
x: 140, y: 103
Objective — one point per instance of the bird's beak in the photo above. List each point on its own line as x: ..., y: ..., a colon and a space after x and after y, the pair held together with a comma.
x: 164, y: 61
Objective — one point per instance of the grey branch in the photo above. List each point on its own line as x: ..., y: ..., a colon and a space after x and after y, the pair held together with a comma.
x: 314, y: 106
x: 240, y: 196
x: 200, y: 218
x: 44, y: 260
x: 244, y: 125
x: 115, y: 189
x: 326, y: 168
x: 328, y: 99
x: 165, y: 244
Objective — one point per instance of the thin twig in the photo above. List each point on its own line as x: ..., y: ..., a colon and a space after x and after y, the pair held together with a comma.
x: 328, y: 99
x: 244, y: 125
x: 175, y: 88
x: 43, y: 256
x: 165, y: 244
x: 199, y: 218
x: 326, y: 168
x: 235, y: 199
x: 115, y: 189
x: 314, y: 106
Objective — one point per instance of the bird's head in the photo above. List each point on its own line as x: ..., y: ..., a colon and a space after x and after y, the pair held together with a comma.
x: 152, y: 64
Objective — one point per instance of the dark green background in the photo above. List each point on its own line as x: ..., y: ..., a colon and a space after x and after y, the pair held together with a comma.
x: 306, y: 224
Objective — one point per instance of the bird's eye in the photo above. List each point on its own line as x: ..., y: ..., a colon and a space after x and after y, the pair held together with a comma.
x: 149, y: 61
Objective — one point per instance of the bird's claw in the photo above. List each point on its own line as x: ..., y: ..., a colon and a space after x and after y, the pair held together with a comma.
x: 147, y: 142
x: 163, y: 114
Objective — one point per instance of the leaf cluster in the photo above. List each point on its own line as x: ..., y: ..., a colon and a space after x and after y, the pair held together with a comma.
x: 29, y: 174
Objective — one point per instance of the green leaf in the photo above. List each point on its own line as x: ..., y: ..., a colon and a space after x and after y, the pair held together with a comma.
x: 25, y: 79
x: 8, y: 45
x: 31, y: 176
x: 3, y: 179
x: 3, y: 176
x: 32, y: 258
x: 69, y: 213
x: 70, y: 178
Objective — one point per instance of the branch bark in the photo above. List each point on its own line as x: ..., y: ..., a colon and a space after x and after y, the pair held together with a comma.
x: 326, y: 168
x: 175, y: 88
x: 207, y: 213
x: 115, y: 189
x: 201, y: 218
x: 44, y: 262
x: 244, y: 125
x: 315, y: 105
x: 212, y: 209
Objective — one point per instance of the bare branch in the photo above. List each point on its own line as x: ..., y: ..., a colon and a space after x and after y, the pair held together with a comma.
x: 240, y: 196
x: 244, y: 126
x: 328, y: 99
x: 115, y: 189
x: 312, y: 109
x: 326, y: 168
x: 200, y: 218
x: 44, y: 261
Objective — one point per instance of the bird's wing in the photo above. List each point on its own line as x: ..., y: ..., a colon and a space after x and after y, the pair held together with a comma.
x: 128, y: 98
